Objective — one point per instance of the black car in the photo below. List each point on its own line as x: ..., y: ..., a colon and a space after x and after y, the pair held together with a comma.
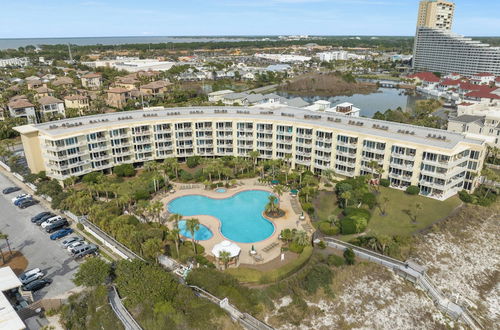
x: 37, y: 285
x: 27, y: 203
x: 42, y: 219
x: 10, y: 190
x: 56, y: 225
x: 39, y: 216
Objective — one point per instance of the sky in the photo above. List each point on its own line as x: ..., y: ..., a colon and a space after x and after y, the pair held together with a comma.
x: 92, y: 18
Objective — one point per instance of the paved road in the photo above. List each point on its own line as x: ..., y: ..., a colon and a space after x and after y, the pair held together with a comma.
x: 36, y: 246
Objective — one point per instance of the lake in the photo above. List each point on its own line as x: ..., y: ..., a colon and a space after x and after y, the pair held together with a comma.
x: 385, y: 98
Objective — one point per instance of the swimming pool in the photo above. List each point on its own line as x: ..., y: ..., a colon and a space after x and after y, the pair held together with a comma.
x: 240, y: 215
x: 202, y: 234
x: 220, y: 190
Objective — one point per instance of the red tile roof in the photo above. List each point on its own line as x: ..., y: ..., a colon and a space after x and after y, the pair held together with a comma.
x: 92, y: 75
x: 497, y: 79
x: 20, y: 104
x: 425, y: 76
x: 450, y: 82
x: 483, y: 95
x: 466, y: 86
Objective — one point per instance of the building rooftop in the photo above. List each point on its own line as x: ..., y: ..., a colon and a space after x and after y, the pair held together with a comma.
x: 75, y: 97
x: 49, y: 100
x: 19, y: 104
x: 466, y: 119
x: 376, y: 128
x: 91, y: 75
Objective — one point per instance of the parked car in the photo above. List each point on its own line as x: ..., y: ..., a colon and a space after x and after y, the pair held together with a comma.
x: 61, y: 233
x: 31, y: 276
x: 73, y: 246
x: 16, y: 203
x: 39, y: 216
x: 45, y: 218
x: 37, y: 285
x: 27, y: 203
x: 10, y: 190
x: 19, y: 197
x: 68, y: 241
x: 50, y: 221
x: 84, y: 250
x: 56, y: 225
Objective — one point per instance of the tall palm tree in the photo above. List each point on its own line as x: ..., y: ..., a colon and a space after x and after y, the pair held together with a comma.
x: 346, y: 195
x: 173, y: 235
x: 192, y: 226
x: 225, y: 257
x: 271, y: 207
x: 175, y: 218
x: 254, y: 155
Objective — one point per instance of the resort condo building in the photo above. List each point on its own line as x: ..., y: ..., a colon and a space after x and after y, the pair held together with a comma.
x: 441, y: 163
x: 438, y: 50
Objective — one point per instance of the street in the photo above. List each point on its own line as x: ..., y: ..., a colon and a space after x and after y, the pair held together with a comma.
x: 35, y: 244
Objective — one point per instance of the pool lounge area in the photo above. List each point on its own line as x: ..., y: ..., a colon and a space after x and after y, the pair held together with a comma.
x: 240, y: 215
x: 256, y: 235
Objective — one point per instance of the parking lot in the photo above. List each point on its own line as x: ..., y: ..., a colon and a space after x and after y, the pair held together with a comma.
x: 35, y: 244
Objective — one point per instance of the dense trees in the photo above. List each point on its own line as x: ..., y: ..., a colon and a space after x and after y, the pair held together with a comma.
x: 92, y: 272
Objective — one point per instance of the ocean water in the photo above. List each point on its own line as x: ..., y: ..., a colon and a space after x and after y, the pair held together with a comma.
x: 240, y: 215
x: 7, y: 43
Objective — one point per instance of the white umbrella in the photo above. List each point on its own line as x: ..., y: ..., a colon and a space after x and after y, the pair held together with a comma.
x: 227, y: 246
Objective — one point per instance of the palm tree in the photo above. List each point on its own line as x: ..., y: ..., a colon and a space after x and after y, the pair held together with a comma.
x: 271, y: 205
x: 301, y: 238
x: 278, y: 190
x: 175, y: 218
x: 192, y: 226
x: 225, y: 257
x: 173, y: 165
x: 346, y: 195
x: 254, y: 155
x: 155, y: 208
x: 173, y: 235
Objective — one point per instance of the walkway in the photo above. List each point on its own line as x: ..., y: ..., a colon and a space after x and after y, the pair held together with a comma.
x: 414, y: 273
x: 121, y: 312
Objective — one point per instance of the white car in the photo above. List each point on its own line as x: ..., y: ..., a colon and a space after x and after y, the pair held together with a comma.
x: 31, y: 275
x: 73, y: 246
x: 67, y: 242
x: 18, y: 197
x: 50, y: 221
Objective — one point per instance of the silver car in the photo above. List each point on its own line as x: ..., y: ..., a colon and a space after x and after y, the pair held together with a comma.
x: 31, y: 275
x: 67, y: 242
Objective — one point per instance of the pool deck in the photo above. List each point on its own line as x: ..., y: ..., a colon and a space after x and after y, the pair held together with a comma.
x: 289, y: 220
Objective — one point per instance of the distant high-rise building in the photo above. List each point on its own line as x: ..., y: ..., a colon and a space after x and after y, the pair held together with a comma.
x: 437, y: 49
x: 436, y: 14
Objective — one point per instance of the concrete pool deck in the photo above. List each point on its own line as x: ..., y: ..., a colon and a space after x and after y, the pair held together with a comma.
x: 290, y: 220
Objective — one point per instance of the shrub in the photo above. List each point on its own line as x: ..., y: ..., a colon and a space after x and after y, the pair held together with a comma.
x: 369, y: 200
x: 124, y: 170
x: 192, y: 162
x: 353, y: 224
x: 349, y: 256
x: 318, y: 276
x: 412, y: 190
x: 385, y: 182
x: 80, y: 226
x: 308, y: 208
x: 185, y: 176
x: 141, y: 195
x: 328, y: 185
x: 322, y: 245
x: 91, y: 177
x: 465, y: 196
x: 294, y: 247
x: 335, y: 260
x: 327, y: 229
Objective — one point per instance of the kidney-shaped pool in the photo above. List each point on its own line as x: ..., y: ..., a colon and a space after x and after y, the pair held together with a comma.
x: 240, y: 215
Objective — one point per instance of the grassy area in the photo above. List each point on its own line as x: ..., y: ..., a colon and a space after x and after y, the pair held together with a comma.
x: 248, y: 275
x: 325, y: 204
x: 398, y: 222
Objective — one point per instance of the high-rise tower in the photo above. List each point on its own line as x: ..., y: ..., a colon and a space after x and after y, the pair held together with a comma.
x: 436, y: 14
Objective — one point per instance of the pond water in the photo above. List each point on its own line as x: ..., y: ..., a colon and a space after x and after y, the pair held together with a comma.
x: 385, y: 98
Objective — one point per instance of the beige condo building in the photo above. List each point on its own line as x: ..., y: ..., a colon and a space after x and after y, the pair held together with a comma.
x: 436, y: 14
x: 441, y: 163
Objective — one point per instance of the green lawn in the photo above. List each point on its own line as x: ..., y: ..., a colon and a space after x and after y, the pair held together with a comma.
x: 397, y: 222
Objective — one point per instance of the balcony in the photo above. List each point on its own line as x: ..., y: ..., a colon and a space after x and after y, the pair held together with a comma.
x: 346, y: 153
x: 324, y: 140
x: 403, y: 156
x: 402, y: 166
x: 347, y: 144
x: 400, y: 176
x: 345, y: 173
x: 306, y: 162
x: 101, y: 157
x: 374, y: 150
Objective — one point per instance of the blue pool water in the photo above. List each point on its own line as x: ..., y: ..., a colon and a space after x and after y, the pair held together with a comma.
x: 202, y: 234
x: 240, y: 215
x: 220, y: 190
